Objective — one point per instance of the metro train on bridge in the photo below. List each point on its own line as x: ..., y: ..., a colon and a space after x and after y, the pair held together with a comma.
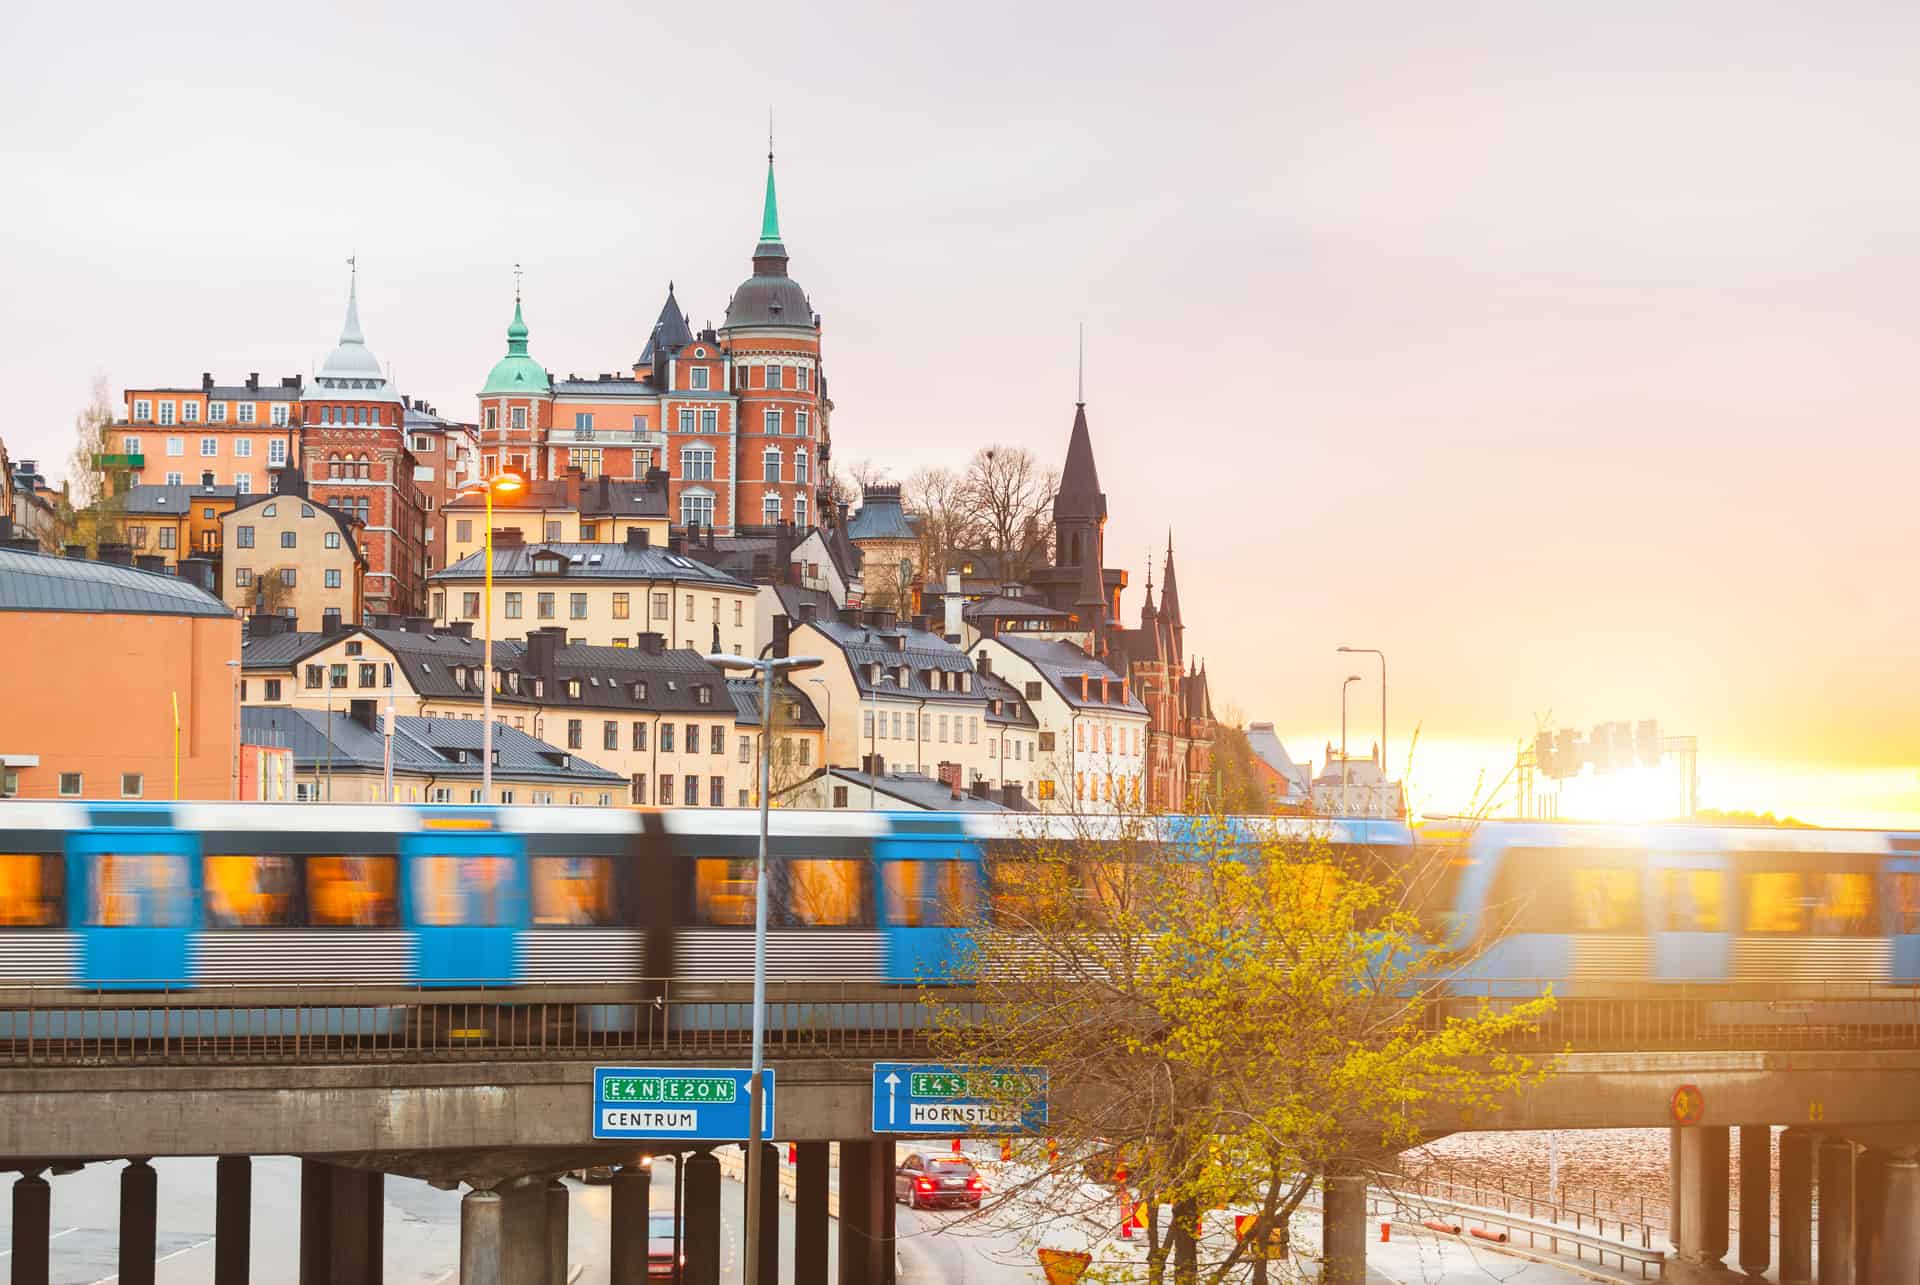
x: 133, y: 897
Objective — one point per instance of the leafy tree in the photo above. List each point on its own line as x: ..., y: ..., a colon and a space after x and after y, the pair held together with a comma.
x: 1230, y: 1012
x: 1236, y: 788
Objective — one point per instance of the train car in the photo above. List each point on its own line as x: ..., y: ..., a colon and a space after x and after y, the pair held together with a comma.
x: 1587, y: 907
x: 128, y: 898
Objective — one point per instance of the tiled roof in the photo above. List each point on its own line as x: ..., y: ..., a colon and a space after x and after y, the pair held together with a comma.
x: 914, y: 790
x: 39, y: 582
x: 618, y: 386
x: 444, y: 747
x: 1014, y: 711
x: 881, y: 518
x: 999, y: 607
x: 591, y: 562
x: 746, y: 703
x: 1060, y: 661
x: 147, y: 501
x: 919, y: 651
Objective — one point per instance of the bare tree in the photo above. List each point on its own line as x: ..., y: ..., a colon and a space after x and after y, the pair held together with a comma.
x: 97, y: 481
x: 937, y: 497
x: 1009, y: 495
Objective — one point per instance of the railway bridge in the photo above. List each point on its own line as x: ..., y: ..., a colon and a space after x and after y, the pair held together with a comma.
x: 497, y: 1093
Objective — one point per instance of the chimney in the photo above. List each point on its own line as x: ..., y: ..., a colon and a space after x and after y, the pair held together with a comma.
x: 330, y: 624
x: 364, y: 713
x: 77, y: 551
x: 639, y: 537
x: 573, y: 489
x: 206, y: 479
x: 809, y: 612
x: 459, y: 628
x: 253, y: 380
x: 507, y: 538
x: 652, y: 644
x: 418, y: 624
x: 119, y: 554
x: 290, y: 381
x: 206, y: 381
x: 197, y: 570
x: 289, y: 481
x: 150, y: 562
x: 983, y: 665
x: 23, y: 543
x: 1010, y: 794
x: 920, y: 622
x: 954, y: 602
x: 542, y: 646
x: 982, y: 789
x: 950, y: 776
x: 782, y: 636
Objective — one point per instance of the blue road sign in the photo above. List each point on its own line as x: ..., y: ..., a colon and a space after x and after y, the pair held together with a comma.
x: 919, y: 1097
x: 676, y: 1102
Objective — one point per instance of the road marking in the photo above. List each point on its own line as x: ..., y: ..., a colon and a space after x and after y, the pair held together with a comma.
x: 64, y: 1231
x: 202, y: 1244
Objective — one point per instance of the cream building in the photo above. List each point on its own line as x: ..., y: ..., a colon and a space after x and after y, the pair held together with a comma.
x: 1092, y: 730
x: 569, y: 510
x: 290, y: 556
x: 602, y: 595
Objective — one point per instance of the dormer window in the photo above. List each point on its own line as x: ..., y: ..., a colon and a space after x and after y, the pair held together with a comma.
x: 703, y: 695
x: 513, y: 680
x: 640, y: 691
x: 905, y: 677
x: 549, y: 564
x: 573, y: 689
x: 873, y: 673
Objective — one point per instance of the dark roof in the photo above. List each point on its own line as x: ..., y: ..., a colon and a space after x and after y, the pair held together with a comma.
x: 443, y: 747
x: 766, y: 299
x: 277, y: 651
x: 914, y: 790
x: 146, y: 501
x: 590, y: 562
x: 1014, y: 710
x: 792, y: 597
x: 1170, y: 590
x: 1060, y: 661
x: 40, y: 582
x: 598, y: 497
x: 1003, y: 608
x: 881, y: 517
x: 670, y: 329
x: 746, y: 703
x: 1079, y: 495
x: 614, y: 386
x: 919, y: 650
x: 241, y: 393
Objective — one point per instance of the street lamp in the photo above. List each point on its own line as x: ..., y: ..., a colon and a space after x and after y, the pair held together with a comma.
x: 873, y: 748
x: 826, y: 739
x: 1375, y: 651
x: 502, y: 484
x: 756, y: 1109
x: 1344, y: 769
x: 234, y: 665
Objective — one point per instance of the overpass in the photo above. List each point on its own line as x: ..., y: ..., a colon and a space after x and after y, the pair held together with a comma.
x: 495, y: 1092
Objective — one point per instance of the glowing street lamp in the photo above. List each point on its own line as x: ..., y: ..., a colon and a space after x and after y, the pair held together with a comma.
x: 503, y: 485
x: 1351, y: 680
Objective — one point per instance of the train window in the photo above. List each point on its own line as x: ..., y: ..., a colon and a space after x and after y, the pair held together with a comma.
x: 250, y: 892
x: 466, y: 891
x: 827, y: 894
x: 1606, y: 899
x: 1107, y: 890
x: 573, y: 891
x: 138, y: 889
x: 31, y: 884
x: 1832, y: 903
x: 1904, y: 886
x: 1028, y: 892
x: 723, y: 891
x: 930, y: 894
x: 1696, y: 900
x: 351, y: 892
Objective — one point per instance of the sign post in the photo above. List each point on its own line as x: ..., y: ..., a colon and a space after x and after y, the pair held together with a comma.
x: 676, y: 1102
x: 918, y: 1097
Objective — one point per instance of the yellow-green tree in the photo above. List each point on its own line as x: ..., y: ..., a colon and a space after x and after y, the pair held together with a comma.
x: 1230, y: 1011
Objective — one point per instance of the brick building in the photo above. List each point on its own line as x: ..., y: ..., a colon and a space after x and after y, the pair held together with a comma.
x: 736, y: 415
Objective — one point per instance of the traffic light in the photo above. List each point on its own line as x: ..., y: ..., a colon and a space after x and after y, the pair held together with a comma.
x: 1543, y: 760
x: 1646, y: 743
x: 1566, y: 753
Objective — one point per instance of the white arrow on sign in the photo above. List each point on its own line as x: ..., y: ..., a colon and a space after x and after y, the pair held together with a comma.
x: 893, y: 1085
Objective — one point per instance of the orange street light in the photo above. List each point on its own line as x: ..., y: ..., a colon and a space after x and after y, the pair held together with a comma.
x: 501, y: 484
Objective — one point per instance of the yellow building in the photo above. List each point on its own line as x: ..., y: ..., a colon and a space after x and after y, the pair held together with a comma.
x: 289, y: 556
x: 174, y: 522
x: 571, y: 510
x: 601, y: 594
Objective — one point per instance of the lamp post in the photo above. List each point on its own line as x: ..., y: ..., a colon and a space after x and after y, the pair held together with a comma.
x: 756, y: 1096
x: 499, y: 484
x: 873, y: 750
x: 827, y: 739
x: 234, y: 665
x: 1344, y: 769
x: 1375, y: 651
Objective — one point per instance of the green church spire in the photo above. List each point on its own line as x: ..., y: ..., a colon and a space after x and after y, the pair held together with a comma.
x: 770, y: 217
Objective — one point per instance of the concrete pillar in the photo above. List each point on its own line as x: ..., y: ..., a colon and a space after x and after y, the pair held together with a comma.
x: 483, y: 1236
x: 559, y: 1201
x: 1869, y: 1199
x: 632, y: 1207
x: 1343, y: 1230
x: 316, y: 1222
x: 856, y: 1210
x: 1796, y: 1207
x: 32, y: 1227
x: 1898, y: 1251
x: 356, y: 1215
x: 1675, y: 1188
x: 810, y: 1212
x: 524, y: 1251
x: 1756, y: 1198
x: 885, y: 1207
x: 232, y: 1220
x: 702, y: 1216
x: 1836, y: 1212
x: 139, y: 1190
x: 1703, y: 1193
x: 769, y: 1213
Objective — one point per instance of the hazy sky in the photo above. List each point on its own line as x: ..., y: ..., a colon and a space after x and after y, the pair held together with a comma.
x: 1566, y: 352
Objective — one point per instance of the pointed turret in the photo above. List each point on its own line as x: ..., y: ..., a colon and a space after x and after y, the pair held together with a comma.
x: 351, y: 364
x: 1079, y: 495
x: 1148, y: 615
x: 517, y: 372
x: 671, y: 332
x: 1170, y: 591
x: 769, y: 297
x: 770, y: 257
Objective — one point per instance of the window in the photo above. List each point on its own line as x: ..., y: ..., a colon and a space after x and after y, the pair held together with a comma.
x: 543, y: 606
x: 216, y: 412
x: 246, y: 412
x: 576, y: 606
x: 693, y: 738
x: 142, y: 412
x: 278, y: 414
x: 771, y: 420
x: 492, y: 422
x: 696, y: 510
x: 517, y: 417
x: 173, y: 479
x: 639, y: 795
x: 1818, y: 903
x: 583, y: 422
x: 209, y: 446
x: 699, y: 376
x: 929, y: 894
x: 144, y: 889
x: 243, y: 484
x: 660, y: 610
x: 839, y: 796
x: 589, y: 531
x: 273, y: 689
x: 168, y: 537
x: 463, y: 530
x: 573, y: 733
x: 336, y: 676
x: 554, y: 530
x: 333, y: 578
x: 689, y: 609
x: 470, y: 605
x: 691, y: 796
x: 709, y: 421
x: 826, y: 893
x: 666, y: 738
x: 289, y: 539
x: 770, y: 464
x: 696, y: 463
x: 666, y: 790
x: 621, y: 606
x: 70, y: 784
x: 166, y: 412
x: 277, y: 452
x: 800, y: 422
x: 132, y: 785
x: 573, y: 891
x: 639, y: 735
x: 369, y: 674
x: 176, y: 446
x: 717, y: 742
x: 513, y: 604
x: 315, y: 676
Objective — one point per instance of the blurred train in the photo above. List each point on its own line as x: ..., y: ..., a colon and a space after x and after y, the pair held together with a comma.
x: 131, y: 897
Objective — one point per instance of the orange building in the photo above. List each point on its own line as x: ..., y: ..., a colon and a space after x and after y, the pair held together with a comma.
x: 104, y: 662
x: 234, y: 432
x: 736, y: 416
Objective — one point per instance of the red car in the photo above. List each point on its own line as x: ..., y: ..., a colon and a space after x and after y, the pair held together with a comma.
x: 660, y: 1246
x: 926, y: 1181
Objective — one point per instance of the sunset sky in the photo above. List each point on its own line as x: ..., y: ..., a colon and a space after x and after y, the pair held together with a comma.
x: 1565, y: 352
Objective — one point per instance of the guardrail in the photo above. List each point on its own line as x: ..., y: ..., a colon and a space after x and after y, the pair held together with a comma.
x: 313, y: 1021
x: 1418, y: 1211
